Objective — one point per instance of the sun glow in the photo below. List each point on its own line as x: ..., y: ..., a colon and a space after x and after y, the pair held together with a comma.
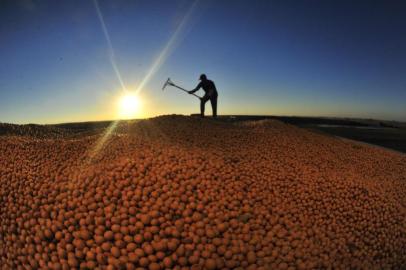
x: 129, y: 106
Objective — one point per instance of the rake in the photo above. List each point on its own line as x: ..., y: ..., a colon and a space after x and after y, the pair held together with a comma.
x: 169, y: 82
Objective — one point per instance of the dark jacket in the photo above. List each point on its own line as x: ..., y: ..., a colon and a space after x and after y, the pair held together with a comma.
x: 208, y: 86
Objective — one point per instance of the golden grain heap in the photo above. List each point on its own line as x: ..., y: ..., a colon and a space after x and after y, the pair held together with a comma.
x: 178, y: 192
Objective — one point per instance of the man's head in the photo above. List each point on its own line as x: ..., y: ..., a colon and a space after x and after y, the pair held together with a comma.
x: 203, y: 77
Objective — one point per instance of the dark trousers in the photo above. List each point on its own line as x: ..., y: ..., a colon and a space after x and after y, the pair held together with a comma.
x: 213, y: 101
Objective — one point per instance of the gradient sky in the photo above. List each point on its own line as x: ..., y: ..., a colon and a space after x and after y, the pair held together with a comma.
x: 314, y: 58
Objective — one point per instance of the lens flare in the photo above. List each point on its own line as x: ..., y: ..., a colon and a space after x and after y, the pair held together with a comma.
x: 129, y: 105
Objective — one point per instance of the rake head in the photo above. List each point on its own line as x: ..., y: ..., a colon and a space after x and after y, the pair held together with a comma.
x: 168, y: 82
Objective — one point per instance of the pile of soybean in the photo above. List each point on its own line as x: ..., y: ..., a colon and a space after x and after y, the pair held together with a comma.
x: 177, y: 192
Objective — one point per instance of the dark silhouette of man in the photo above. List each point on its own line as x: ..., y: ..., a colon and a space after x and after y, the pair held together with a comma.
x: 210, y: 94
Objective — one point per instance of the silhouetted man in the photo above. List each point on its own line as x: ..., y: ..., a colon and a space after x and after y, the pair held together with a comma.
x: 210, y: 94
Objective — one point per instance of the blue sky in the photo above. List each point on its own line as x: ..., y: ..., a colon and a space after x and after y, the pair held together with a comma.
x: 313, y: 58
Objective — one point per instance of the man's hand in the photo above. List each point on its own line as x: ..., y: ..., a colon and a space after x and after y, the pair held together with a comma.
x: 190, y: 92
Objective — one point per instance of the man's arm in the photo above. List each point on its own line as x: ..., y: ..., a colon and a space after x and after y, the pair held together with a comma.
x: 197, y: 88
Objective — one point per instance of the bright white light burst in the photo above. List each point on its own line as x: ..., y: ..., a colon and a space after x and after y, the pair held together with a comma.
x: 129, y: 106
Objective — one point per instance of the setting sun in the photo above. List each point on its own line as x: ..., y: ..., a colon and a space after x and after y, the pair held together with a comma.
x: 129, y: 106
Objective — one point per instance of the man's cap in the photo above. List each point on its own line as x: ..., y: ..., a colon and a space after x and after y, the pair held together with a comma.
x: 203, y: 77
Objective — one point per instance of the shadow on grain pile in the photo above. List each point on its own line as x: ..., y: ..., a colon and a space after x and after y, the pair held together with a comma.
x: 177, y: 192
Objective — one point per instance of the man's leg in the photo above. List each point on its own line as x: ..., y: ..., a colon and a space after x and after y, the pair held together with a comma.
x: 213, y: 102
x: 203, y: 101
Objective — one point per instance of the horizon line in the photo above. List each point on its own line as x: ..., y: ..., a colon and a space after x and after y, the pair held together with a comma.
x: 209, y: 116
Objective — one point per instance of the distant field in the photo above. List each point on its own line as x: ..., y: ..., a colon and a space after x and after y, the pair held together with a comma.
x: 393, y: 138
x: 386, y: 134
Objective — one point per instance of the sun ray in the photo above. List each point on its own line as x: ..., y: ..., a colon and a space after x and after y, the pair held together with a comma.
x: 113, y: 125
x: 169, y: 47
x: 112, y: 56
x: 102, y: 140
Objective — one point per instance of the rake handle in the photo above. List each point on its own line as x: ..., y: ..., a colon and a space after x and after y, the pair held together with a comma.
x: 185, y: 90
